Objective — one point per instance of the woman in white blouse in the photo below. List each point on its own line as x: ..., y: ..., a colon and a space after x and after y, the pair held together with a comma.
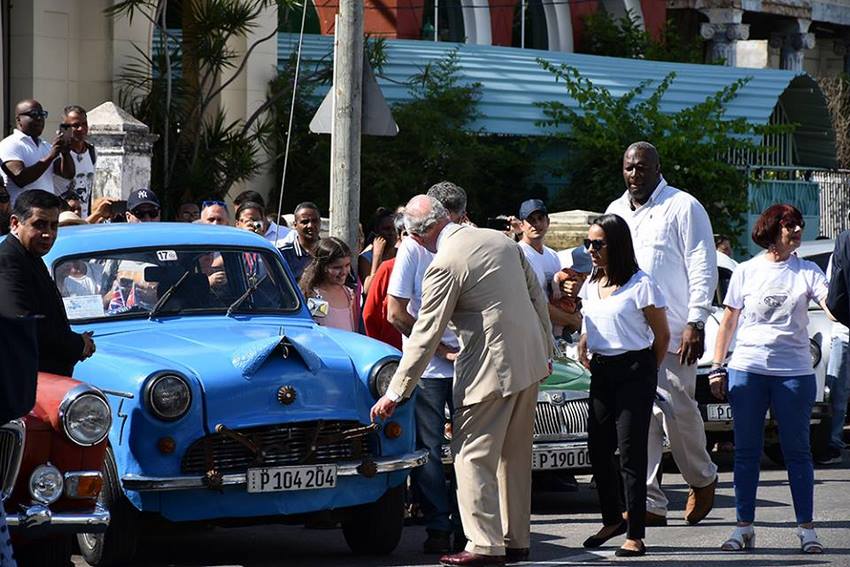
x: 767, y: 302
x: 624, y: 339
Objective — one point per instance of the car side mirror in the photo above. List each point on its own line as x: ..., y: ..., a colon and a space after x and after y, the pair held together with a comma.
x: 318, y: 307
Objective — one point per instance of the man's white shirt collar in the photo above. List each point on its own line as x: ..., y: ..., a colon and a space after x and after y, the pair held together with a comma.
x: 447, y: 231
x: 21, y: 136
x: 656, y: 193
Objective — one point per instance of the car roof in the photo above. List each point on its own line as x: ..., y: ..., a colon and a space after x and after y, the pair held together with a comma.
x: 83, y: 239
x: 813, y: 247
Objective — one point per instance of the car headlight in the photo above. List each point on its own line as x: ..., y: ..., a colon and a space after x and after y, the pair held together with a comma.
x: 814, y: 350
x: 85, y: 416
x: 46, y: 484
x: 379, y: 379
x: 168, y: 396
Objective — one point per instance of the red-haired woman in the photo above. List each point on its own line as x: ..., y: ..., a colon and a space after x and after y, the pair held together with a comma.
x: 771, y: 367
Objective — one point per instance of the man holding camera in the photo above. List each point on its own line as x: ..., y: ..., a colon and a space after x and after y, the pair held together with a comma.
x: 75, y: 129
x: 28, y: 162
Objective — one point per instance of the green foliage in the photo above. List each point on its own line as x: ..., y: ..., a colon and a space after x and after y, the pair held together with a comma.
x: 693, y: 144
x: 623, y: 37
x: 199, y: 153
x: 436, y: 141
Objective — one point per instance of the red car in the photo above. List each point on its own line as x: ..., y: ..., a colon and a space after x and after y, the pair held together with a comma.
x: 50, y: 463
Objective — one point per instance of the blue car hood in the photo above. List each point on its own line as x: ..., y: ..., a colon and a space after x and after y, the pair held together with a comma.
x: 241, y: 366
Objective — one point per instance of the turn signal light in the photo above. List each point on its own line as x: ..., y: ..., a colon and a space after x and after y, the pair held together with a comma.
x: 83, y: 485
x: 166, y: 445
x: 392, y: 430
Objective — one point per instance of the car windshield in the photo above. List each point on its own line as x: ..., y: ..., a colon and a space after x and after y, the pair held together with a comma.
x: 166, y: 281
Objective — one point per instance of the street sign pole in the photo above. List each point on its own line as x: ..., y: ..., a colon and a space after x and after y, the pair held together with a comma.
x: 347, y: 109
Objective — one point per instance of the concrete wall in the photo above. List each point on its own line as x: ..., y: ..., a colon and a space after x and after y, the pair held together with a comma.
x: 68, y: 52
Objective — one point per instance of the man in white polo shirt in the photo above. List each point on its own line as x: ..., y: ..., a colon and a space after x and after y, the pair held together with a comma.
x: 28, y: 161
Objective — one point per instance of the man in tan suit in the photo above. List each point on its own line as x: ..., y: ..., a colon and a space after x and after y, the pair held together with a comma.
x: 481, y: 282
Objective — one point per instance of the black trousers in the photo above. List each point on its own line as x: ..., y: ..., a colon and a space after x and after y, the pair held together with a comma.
x: 622, y: 391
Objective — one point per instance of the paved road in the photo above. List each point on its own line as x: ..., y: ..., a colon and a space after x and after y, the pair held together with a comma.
x: 560, y: 522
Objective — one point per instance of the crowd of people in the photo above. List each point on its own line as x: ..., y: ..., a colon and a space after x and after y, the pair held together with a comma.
x: 476, y: 313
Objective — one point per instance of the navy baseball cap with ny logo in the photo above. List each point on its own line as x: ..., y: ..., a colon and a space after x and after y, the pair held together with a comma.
x: 141, y: 197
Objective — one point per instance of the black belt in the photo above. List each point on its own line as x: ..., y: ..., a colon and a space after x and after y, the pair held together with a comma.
x: 620, y: 358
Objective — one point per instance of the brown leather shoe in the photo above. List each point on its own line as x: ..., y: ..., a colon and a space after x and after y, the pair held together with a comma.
x: 472, y: 559
x: 516, y: 554
x: 655, y: 520
x: 700, y: 503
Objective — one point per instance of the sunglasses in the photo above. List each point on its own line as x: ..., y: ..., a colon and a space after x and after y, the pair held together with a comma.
x: 34, y: 113
x: 597, y: 245
x: 206, y: 204
x: 5, y: 198
x: 145, y: 213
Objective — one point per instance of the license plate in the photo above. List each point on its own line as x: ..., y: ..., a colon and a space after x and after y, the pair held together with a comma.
x: 560, y: 459
x: 719, y: 412
x: 279, y: 479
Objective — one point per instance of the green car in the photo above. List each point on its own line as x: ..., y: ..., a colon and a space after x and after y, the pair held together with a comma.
x: 560, y: 423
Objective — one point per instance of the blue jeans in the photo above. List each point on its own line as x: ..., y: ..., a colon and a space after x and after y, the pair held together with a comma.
x: 790, y: 399
x: 838, y: 380
x: 6, y: 557
x: 438, y: 500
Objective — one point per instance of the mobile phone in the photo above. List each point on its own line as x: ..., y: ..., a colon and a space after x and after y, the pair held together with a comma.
x: 498, y: 223
x: 66, y: 132
x: 118, y: 210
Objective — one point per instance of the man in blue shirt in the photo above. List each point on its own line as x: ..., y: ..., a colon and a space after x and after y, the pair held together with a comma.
x: 298, y: 252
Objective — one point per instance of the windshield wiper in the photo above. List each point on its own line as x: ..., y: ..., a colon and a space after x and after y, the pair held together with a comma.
x: 168, y: 293
x: 251, y: 289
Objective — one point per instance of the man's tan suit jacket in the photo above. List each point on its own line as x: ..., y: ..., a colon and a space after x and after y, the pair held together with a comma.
x: 481, y: 282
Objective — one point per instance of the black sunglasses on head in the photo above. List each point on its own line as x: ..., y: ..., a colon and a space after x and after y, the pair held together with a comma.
x: 34, y: 113
x: 597, y: 245
x: 5, y: 198
x: 206, y: 204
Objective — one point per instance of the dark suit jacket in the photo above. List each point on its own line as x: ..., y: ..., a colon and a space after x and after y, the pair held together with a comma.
x: 27, y: 289
x: 838, y: 300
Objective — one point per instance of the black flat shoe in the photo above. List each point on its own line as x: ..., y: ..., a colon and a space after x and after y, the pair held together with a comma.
x: 596, y: 541
x: 623, y: 552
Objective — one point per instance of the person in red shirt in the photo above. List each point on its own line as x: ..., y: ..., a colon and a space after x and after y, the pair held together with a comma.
x: 375, y: 306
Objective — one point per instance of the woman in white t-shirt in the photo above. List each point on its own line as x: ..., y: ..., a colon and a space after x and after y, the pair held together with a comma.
x: 767, y: 302
x: 624, y: 339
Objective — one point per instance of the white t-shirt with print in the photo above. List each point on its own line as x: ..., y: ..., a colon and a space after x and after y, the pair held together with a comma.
x: 617, y: 324
x: 544, y: 264
x: 81, y: 184
x: 411, y: 261
x: 774, y: 301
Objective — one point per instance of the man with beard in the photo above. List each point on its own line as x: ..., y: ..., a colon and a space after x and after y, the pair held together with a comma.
x: 27, y: 160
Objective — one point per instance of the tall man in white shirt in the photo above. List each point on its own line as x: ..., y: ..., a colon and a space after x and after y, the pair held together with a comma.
x: 27, y: 160
x: 674, y: 244
x: 534, y: 219
x: 404, y: 298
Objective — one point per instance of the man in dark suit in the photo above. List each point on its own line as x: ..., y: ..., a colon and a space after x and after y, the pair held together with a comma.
x: 838, y: 300
x: 26, y: 288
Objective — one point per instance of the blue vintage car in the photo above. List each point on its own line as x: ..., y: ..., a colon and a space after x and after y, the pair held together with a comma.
x: 229, y: 401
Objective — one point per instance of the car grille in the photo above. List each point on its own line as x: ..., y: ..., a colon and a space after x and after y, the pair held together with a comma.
x: 11, y: 451
x: 275, y: 445
x: 567, y: 421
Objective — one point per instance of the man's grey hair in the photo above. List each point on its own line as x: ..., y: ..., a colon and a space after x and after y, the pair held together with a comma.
x: 451, y: 196
x: 420, y: 225
x: 398, y: 222
x: 644, y: 147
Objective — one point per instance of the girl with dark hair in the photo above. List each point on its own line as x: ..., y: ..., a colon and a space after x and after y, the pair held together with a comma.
x: 326, y: 277
x: 771, y: 367
x: 381, y: 246
x: 624, y: 339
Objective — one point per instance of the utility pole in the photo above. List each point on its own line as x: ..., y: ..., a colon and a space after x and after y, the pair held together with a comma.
x: 347, y: 109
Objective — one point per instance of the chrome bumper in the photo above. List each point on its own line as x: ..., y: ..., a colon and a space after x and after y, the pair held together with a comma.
x: 40, y: 517
x: 348, y: 468
x: 538, y: 449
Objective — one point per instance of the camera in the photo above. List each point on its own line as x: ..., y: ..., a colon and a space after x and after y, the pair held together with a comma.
x: 65, y: 131
x: 256, y: 225
x: 499, y: 223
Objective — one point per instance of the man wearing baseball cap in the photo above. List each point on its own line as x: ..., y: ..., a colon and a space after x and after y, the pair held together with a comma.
x: 142, y: 206
x: 544, y: 261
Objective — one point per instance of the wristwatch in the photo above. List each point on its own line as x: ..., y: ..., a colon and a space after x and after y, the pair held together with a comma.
x: 698, y: 325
